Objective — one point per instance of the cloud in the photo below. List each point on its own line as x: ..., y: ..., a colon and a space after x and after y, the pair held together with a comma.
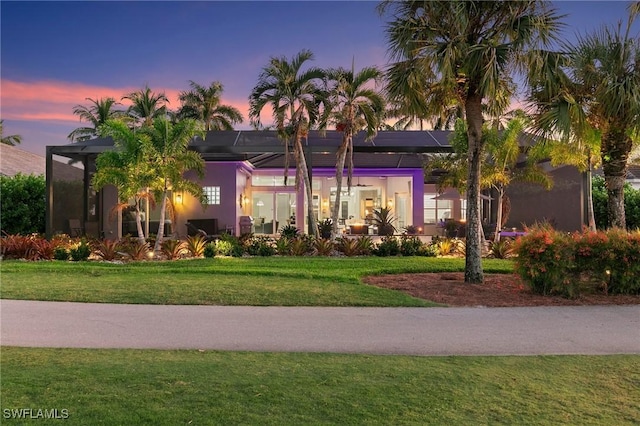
x: 53, y: 101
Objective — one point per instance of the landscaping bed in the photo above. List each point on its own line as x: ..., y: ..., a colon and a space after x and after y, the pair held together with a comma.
x: 498, y: 290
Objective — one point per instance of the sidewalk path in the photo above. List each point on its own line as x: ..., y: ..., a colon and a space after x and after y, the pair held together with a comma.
x: 419, y: 331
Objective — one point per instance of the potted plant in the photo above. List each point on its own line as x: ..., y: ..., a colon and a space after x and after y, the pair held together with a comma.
x: 324, y: 228
x: 383, y: 219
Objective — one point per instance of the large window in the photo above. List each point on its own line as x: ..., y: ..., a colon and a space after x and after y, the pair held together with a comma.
x: 212, y: 193
x: 436, y: 210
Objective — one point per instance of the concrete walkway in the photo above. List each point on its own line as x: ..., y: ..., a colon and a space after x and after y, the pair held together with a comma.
x: 417, y: 331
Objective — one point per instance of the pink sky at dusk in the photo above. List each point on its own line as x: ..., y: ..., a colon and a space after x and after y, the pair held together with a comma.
x: 56, y: 54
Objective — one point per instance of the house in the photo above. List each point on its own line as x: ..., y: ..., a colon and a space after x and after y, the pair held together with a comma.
x: 244, y: 178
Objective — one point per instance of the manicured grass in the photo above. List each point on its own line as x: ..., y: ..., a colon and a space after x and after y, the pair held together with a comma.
x: 273, y: 281
x: 116, y: 387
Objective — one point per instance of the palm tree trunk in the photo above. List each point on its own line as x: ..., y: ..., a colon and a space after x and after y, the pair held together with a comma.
x: 473, y: 262
x: 590, y: 213
x: 160, y: 234
x: 496, y: 235
x: 615, y: 149
x: 139, y: 222
x: 302, y: 163
x: 342, y: 155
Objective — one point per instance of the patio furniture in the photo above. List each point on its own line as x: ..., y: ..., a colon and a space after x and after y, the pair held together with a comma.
x: 208, y: 228
x: 359, y: 229
x: 512, y: 234
x: 75, y: 228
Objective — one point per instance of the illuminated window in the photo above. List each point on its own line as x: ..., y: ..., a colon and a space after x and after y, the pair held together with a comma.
x: 212, y: 194
x: 436, y: 210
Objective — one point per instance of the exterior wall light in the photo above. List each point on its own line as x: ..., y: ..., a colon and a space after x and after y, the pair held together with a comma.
x: 178, y: 199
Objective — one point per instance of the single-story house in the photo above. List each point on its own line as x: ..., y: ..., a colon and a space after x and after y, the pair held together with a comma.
x: 244, y: 179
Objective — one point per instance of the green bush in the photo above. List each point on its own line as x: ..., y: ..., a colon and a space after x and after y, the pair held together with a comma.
x: 631, y: 204
x: 289, y: 231
x: 229, y: 245
x: 410, y: 245
x: 80, y: 252
x: 60, y: 253
x: 22, y: 210
x: 261, y: 245
x: 210, y: 250
x: 388, y: 246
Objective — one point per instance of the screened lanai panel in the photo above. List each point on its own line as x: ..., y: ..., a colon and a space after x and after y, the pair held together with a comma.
x: 67, y: 186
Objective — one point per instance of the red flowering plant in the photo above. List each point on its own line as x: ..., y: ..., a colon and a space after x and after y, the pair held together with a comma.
x: 592, y: 256
x: 546, y: 261
x: 623, y: 269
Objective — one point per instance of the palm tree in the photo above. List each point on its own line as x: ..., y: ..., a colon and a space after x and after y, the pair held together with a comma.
x: 128, y: 167
x: 11, y: 140
x: 97, y: 113
x: 294, y: 97
x: 352, y: 106
x: 465, y: 48
x: 503, y: 165
x: 146, y: 105
x: 502, y: 162
x: 203, y: 103
x: 595, y: 88
x: 171, y: 158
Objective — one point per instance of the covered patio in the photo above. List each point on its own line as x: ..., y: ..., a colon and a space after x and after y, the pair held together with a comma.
x: 234, y: 160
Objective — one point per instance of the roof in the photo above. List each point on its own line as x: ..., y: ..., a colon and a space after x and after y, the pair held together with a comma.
x: 265, y: 150
x: 14, y: 160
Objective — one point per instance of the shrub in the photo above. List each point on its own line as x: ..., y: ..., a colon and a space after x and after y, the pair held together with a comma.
x: 388, y: 246
x: 546, y: 261
x: 300, y: 246
x: 229, y: 245
x: 80, y: 252
x: 195, y: 245
x: 106, y: 249
x: 410, y: 245
x: 18, y: 247
x: 136, y: 250
x: 61, y: 253
x: 364, y: 245
x: 22, y: 210
x: 501, y: 249
x: 323, y: 247
x: 411, y: 230
x: 261, y: 246
x: 325, y: 228
x: 631, y: 204
x: 348, y: 246
x: 289, y: 231
x: 383, y: 219
x: 429, y: 250
x: 283, y: 246
x: 210, y: 250
x: 553, y: 262
x: 172, y: 249
x: 446, y: 246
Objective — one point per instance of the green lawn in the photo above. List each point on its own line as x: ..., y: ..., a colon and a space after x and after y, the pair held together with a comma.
x: 136, y: 387
x: 273, y: 281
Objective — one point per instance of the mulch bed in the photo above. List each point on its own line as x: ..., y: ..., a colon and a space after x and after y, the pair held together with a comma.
x: 498, y: 290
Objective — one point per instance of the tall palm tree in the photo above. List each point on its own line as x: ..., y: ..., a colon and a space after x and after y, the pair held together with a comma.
x: 595, y: 87
x: 171, y: 158
x: 352, y: 106
x: 203, y: 103
x: 98, y: 112
x: 294, y: 97
x: 146, y: 105
x: 128, y: 167
x: 465, y: 48
x: 11, y: 140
